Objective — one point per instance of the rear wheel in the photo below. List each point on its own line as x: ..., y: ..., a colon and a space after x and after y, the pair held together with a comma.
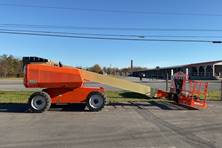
x: 95, y: 101
x: 39, y: 102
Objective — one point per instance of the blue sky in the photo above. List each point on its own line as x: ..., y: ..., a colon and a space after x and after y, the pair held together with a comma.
x: 82, y: 52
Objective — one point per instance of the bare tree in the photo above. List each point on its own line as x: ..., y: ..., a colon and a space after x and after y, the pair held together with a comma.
x: 96, y: 68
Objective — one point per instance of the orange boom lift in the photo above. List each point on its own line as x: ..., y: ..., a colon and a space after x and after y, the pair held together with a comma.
x: 65, y: 85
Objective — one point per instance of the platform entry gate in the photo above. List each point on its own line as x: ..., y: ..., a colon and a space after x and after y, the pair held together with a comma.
x: 188, y: 92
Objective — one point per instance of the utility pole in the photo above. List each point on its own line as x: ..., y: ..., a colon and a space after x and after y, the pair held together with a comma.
x: 221, y: 90
x: 167, y: 79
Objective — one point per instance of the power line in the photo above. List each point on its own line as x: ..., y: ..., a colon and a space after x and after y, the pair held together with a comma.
x: 111, y: 35
x: 109, y: 10
x: 110, y: 28
x: 107, y: 38
x: 75, y: 33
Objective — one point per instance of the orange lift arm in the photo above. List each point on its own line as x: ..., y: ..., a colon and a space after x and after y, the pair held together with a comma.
x: 118, y: 83
x: 48, y: 76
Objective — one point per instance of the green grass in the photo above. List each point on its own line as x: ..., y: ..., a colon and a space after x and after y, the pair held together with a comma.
x: 10, y: 78
x: 113, y: 96
x: 14, y: 96
x: 214, y: 95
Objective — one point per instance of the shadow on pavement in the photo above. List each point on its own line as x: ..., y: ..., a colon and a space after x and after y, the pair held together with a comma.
x: 133, y: 95
x: 163, y: 105
x: 166, y: 105
x: 150, y: 104
x: 13, y: 107
x: 139, y: 105
x: 24, y: 108
x: 69, y: 108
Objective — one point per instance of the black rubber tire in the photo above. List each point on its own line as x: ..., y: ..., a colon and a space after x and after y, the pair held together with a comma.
x: 46, y: 98
x: 92, y: 108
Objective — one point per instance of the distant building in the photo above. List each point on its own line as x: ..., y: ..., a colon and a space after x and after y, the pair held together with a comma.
x: 197, y: 71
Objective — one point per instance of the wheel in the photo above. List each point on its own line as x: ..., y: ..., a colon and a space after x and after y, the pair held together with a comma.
x: 39, y: 102
x: 95, y: 101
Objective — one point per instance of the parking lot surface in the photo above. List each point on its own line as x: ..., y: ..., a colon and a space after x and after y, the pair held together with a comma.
x: 130, y: 125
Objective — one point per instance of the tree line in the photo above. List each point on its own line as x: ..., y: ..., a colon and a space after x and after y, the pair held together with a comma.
x: 114, y: 71
x: 11, y: 66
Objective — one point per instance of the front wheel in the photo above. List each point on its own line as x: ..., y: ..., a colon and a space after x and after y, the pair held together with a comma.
x: 39, y: 102
x: 95, y: 101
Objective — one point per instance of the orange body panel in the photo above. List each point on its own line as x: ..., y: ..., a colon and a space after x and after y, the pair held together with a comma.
x: 66, y: 95
x: 161, y: 94
x: 190, y: 101
x: 63, y: 84
x: 46, y: 76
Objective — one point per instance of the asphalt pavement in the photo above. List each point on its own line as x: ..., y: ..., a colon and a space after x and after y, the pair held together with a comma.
x: 123, y: 125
